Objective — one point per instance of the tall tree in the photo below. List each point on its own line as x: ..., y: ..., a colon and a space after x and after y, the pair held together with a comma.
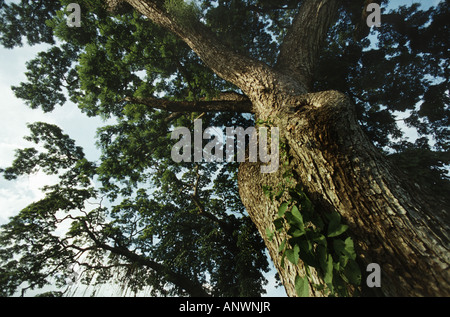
x: 347, y: 192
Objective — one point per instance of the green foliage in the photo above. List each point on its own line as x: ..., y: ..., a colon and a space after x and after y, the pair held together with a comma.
x: 184, y: 11
x: 27, y: 19
x: 301, y: 286
x: 45, y: 78
x: 399, y: 76
x: 424, y: 167
x: 318, y: 241
x: 150, y: 211
x: 134, y: 198
x: 61, y: 152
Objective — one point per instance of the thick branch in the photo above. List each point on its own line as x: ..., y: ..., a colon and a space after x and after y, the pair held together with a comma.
x: 253, y: 77
x: 241, y: 105
x: 192, y: 287
x: 301, y: 47
x: 224, y: 61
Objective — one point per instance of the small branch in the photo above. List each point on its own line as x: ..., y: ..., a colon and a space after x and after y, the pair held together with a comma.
x: 201, y: 209
x: 173, y: 116
x: 270, y: 7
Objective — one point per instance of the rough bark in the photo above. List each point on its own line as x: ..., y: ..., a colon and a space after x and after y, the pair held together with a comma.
x: 263, y: 211
x: 301, y: 47
x: 392, y: 222
x: 253, y: 77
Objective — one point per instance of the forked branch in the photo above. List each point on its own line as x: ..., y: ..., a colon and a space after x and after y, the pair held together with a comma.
x: 301, y: 47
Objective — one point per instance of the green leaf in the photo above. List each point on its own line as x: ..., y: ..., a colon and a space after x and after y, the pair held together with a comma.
x: 340, y: 229
x: 301, y: 286
x: 317, y: 221
x: 335, y: 227
x: 337, y: 266
x: 305, y: 245
x: 294, y: 218
x: 343, y: 260
x: 282, y: 246
x: 350, y: 248
x: 293, y: 254
x: 296, y: 232
x: 319, y: 238
x: 269, y: 234
x: 282, y: 209
x: 352, y: 272
x: 322, y: 256
x: 297, y: 215
x: 339, y: 245
x: 328, y: 272
x: 334, y: 218
x: 345, y: 249
x: 306, y: 253
x: 307, y: 204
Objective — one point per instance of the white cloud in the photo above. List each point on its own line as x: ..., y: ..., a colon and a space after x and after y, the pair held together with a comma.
x: 16, y: 195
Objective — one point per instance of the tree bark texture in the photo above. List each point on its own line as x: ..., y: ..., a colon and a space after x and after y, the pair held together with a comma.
x: 341, y: 170
x: 391, y: 221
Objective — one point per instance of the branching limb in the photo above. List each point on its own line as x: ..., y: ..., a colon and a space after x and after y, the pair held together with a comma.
x: 225, y: 62
x: 192, y: 287
x: 301, y: 47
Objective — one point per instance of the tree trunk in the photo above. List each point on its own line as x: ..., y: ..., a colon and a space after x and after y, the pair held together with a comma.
x: 390, y: 220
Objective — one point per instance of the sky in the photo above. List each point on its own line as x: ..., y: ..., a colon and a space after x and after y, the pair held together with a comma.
x: 13, y: 127
x: 15, y: 195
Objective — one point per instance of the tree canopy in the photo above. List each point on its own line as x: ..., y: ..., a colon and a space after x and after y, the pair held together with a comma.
x: 180, y: 228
